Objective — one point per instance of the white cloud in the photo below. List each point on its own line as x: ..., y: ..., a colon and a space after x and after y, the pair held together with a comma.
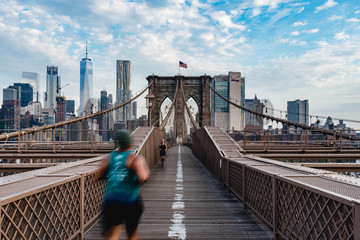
x: 328, y: 4
x: 326, y: 76
x: 327, y: 66
x: 297, y: 33
x: 296, y: 24
x: 293, y: 42
x: 258, y: 6
x: 256, y: 12
x: 352, y: 20
x: 102, y: 35
x: 280, y: 15
x: 341, y: 36
x: 311, y: 30
x: 225, y: 21
x: 209, y: 41
x: 335, y: 17
x: 301, y: 10
x: 269, y: 3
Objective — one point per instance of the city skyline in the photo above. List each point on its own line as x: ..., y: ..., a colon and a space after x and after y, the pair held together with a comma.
x: 286, y: 49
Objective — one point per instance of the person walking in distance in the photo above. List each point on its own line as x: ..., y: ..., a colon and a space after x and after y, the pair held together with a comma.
x: 163, y: 148
x: 124, y: 172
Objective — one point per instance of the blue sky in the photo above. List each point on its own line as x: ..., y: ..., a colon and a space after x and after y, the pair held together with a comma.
x: 286, y: 49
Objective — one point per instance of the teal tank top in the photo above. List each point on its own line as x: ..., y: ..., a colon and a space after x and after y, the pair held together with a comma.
x: 122, y: 183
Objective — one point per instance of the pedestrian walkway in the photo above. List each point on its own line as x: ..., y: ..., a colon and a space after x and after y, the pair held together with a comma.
x: 183, y: 201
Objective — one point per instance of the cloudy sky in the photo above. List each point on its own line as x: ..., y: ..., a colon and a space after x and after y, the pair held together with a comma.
x: 286, y: 49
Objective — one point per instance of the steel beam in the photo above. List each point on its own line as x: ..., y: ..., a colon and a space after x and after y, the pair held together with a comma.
x: 48, y: 155
x: 23, y: 167
x: 337, y: 167
x: 304, y: 156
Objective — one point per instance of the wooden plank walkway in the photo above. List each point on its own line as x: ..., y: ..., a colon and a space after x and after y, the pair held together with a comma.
x: 183, y: 201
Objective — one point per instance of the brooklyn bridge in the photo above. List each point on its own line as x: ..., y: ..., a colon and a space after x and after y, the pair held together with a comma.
x: 211, y: 187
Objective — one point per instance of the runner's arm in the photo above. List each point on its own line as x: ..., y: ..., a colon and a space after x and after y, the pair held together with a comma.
x: 102, y: 167
x: 141, y: 168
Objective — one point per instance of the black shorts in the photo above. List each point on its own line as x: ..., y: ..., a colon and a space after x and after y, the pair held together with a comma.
x: 162, y: 153
x: 116, y: 213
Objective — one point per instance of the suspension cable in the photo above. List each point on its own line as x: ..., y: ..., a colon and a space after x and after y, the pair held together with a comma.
x: 296, y: 125
x: 170, y: 109
x: 59, y: 124
x: 187, y: 108
x: 315, y: 116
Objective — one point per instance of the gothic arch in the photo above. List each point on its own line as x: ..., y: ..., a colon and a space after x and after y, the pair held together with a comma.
x: 194, y: 86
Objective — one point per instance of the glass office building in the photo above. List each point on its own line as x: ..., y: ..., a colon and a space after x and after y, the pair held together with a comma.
x: 298, y: 111
x: 33, y: 79
x: 222, y: 87
x: 53, y: 82
x: 223, y: 114
x: 26, y: 93
x: 220, y: 108
x: 86, y: 82
x: 70, y: 106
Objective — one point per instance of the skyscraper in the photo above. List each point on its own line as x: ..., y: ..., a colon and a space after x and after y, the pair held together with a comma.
x: 123, y: 92
x: 224, y: 114
x: 26, y: 93
x: 237, y: 95
x: 33, y: 79
x: 220, y: 112
x: 298, y: 111
x: 252, y: 119
x: 53, y: 82
x: 134, y: 110
x: 111, y: 115
x: 70, y: 106
x: 104, y: 119
x: 60, y: 113
x: 86, y: 81
x: 10, y: 111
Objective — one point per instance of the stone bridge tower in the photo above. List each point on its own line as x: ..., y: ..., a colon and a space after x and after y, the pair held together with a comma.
x: 195, y: 87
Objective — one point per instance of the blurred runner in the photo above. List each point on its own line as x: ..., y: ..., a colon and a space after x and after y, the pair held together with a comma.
x: 124, y: 172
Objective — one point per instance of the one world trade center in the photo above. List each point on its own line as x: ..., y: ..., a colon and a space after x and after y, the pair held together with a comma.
x: 86, y: 83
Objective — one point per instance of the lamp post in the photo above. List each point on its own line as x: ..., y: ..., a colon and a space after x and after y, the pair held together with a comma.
x: 149, y: 102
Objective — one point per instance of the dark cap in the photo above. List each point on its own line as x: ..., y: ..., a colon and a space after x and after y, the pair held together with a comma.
x: 123, y: 139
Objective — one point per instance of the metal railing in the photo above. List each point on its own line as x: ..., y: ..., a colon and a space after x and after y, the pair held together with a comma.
x: 294, y: 203
x: 18, y: 134
x: 61, y: 202
x: 302, y: 140
x: 284, y: 121
x: 58, y: 140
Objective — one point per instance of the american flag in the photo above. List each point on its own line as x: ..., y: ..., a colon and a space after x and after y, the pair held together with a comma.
x: 181, y: 64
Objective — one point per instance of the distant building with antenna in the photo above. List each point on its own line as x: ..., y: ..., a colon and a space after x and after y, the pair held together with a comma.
x: 86, y: 81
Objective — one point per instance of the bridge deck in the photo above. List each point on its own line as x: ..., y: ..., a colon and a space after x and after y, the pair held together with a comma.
x: 183, y: 201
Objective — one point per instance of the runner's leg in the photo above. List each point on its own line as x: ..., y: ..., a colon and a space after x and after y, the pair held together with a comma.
x: 133, y: 218
x: 113, y: 233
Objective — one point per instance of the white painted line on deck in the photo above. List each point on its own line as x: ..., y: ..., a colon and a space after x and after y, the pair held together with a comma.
x: 178, y: 229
